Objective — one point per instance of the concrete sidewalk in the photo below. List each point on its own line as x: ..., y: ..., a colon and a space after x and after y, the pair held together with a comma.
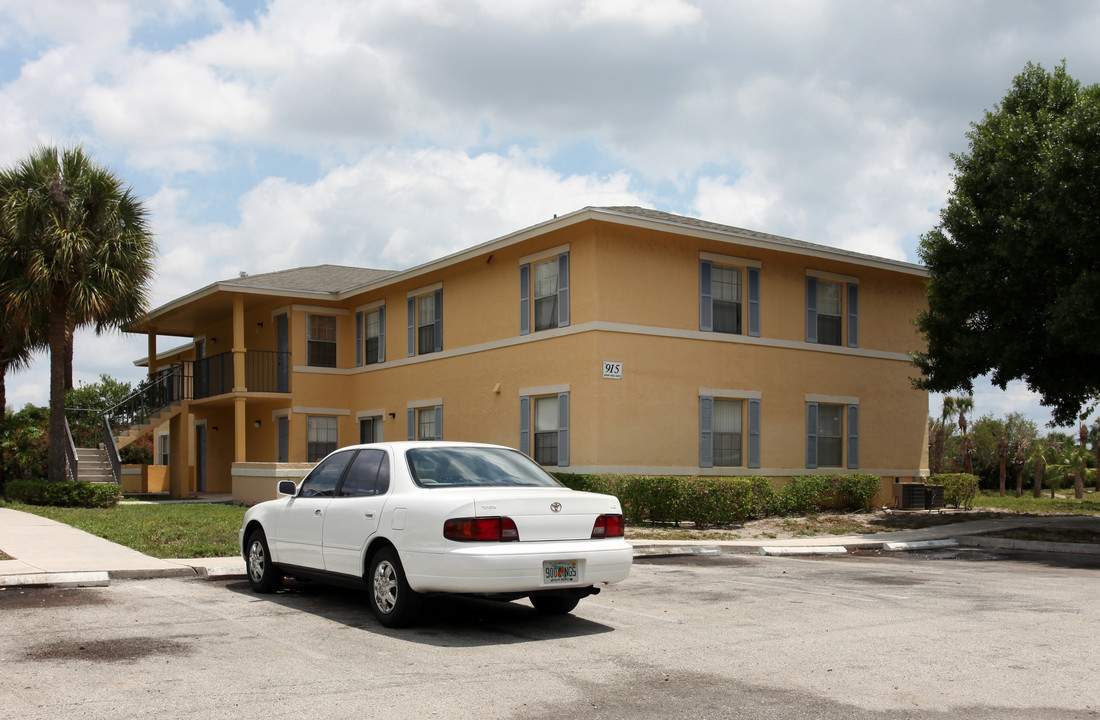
x: 49, y: 553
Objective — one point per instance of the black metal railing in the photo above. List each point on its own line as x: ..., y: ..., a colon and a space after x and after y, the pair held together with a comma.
x: 112, y: 449
x: 264, y: 371
x: 70, y: 452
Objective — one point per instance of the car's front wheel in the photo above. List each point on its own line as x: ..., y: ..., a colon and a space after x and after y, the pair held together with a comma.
x: 554, y: 604
x: 394, y: 603
x: 264, y: 576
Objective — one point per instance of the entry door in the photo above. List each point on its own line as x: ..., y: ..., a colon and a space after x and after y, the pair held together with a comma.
x: 370, y: 430
x: 200, y: 457
x: 282, y: 361
x: 284, y: 439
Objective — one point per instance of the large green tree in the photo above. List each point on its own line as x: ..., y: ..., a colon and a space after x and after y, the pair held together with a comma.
x: 77, y: 252
x: 1014, y: 263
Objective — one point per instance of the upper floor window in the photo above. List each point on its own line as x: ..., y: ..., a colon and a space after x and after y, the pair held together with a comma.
x: 729, y: 297
x: 321, y: 340
x: 370, y: 330
x: 832, y: 310
x: 544, y: 294
x: 832, y: 434
x: 426, y: 323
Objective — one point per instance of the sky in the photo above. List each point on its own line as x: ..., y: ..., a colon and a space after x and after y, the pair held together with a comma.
x: 266, y: 135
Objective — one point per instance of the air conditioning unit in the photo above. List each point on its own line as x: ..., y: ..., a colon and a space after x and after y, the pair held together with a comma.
x: 911, y: 496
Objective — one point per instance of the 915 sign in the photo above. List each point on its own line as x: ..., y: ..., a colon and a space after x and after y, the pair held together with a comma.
x: 613, y: 370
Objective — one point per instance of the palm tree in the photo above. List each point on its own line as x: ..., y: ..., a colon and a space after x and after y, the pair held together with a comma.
x: 1038, y: 451
x: 938, y: 433
x: 83, y: 250
x: 1074, y: 463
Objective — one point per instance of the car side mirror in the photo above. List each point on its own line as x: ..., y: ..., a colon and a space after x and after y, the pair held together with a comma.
x: 287, y: 487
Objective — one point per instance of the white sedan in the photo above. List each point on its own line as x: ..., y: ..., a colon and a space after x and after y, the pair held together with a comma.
x: 412, y: 518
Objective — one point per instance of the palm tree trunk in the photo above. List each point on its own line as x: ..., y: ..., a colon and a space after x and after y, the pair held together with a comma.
x: 1079, y: 484
x: 1038, y: 478
x: 57, y: 333
x: 70, y: 329
x: 1020, y: 481
x: 1004, y: 473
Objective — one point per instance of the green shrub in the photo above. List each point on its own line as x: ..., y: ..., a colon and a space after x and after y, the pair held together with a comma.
x: 959, y: 489
x: 855, y: 491
x: 64, y: 494
x: 723, y: 501
x: 806, y: 494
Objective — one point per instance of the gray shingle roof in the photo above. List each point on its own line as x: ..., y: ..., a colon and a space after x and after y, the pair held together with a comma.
x: 315, y: 278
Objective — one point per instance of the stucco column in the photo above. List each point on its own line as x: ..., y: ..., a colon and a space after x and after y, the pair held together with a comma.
x: 239, y: 381
x: 239, y: 429
x: 152, y: 352
x: 179, y: 452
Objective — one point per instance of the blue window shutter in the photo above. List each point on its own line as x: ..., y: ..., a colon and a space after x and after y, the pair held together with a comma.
x: 412, y: 424
x: 853, y: 437
x: 412, y: 327
x: 358, y: 339
x: 754, y: 434
x: 438, y: 422
x: 563, y: 293
x: 525, y: 424
x: 524, y: 299
x: 754, y: 301
x: 706, y: 431
x: 853, y: 315
x: 438, y: 320
x: 382, y: 334
x: 706, y: 307
x: 811, y: 311
x: 811, y: 435
x: 563, y: 429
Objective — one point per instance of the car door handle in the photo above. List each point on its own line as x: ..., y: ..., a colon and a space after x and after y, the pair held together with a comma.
x: 368, y: 515
x: 317, y: 512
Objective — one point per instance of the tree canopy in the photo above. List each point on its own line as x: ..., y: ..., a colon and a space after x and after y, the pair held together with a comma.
x: 1014, y: 263
x: 76, y: 250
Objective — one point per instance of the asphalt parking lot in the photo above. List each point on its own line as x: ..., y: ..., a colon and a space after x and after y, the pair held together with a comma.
x: 928, y: 635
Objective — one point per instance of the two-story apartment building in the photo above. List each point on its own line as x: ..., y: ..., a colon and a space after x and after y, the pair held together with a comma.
x: 609, y: 340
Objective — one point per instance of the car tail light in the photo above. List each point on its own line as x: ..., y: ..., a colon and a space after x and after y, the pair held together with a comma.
x: 487, y: 529
x: 609, y: 526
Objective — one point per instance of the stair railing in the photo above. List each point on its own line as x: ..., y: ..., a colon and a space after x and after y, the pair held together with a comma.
x: 70, y: 452
x: 112, y: 449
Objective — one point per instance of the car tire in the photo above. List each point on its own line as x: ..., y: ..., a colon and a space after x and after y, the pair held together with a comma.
x: 264, y: 576
x: 393, y: 602
x: 554, y: 604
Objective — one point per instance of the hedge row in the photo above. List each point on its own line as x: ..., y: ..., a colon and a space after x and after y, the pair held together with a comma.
x: 707, y: 501
x: 64, y: 494
x: 959, y: 489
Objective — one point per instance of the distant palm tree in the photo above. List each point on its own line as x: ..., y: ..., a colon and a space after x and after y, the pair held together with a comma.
x: 1037, y: 452
x: 938, y: 433
x: 1073, y: 462
x: 77, y: 252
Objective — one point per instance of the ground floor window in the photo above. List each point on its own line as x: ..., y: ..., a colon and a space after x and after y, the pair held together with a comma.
x: 544, y: 428
x: 832, y: 435
x: 321, y: 437
x: 164, y: 448
x: 728, y: 421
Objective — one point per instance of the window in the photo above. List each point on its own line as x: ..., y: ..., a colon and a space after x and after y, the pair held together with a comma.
x: 722, y: 423
x: 370, y: 331
x: 322, y: 480
x: 320, y: 437
x: 826, y: 312
x: 426, y: 423
x: 426, y: 323
x: 369, y: 474
x: 827, y: 437
x: 544, y: 428
x: 321, y: 340
x: 165, y: 447
x: 546, y: 283
x: 729, y: 298
x: 727, y: 433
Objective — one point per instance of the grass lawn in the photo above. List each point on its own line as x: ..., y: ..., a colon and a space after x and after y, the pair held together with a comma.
x: 1059, y: 505
x: 178, y: 530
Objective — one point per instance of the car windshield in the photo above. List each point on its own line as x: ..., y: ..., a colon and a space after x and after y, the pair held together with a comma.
x: 435, y: 467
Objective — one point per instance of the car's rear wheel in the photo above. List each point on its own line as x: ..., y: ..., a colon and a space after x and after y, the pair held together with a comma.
x: 393, y: 602
x: 554, y: 604
x: 264, y: 576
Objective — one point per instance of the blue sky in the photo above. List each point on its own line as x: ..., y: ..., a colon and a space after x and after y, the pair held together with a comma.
x: 269, y: 135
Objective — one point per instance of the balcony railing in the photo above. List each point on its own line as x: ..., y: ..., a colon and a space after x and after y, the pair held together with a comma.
x: 264, y: 371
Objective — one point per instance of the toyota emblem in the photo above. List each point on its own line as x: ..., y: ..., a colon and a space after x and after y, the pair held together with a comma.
x: 555, y: 507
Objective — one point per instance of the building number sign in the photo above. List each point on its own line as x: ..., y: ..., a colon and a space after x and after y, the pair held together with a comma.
x: 613, y: 370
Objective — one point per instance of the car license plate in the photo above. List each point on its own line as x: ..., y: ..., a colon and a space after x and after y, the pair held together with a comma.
x: 559, y: 571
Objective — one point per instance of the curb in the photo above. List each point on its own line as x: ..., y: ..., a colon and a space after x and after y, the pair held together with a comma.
x: 1031, y: 545
x: 919, y: 545
x: 57, y: 580
x: 805, y: 550
x: 677, y: 550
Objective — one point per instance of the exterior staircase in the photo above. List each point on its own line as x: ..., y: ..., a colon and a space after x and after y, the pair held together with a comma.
x: 94, y: 466
x: 133, y: 432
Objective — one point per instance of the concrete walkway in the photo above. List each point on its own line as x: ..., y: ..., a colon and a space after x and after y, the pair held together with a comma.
x: 49, y: 553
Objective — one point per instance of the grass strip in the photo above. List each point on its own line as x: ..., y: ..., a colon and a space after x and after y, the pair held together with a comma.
x: 178, y: 530
x: 1090, y: 505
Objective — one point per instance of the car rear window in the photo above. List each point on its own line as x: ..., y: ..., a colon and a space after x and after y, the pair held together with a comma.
x: 436, y: 467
